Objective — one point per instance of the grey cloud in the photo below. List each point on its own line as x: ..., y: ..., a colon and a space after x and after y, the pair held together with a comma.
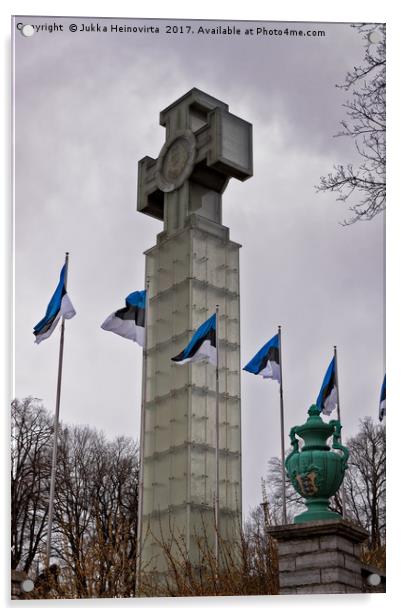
x: 87, y: 109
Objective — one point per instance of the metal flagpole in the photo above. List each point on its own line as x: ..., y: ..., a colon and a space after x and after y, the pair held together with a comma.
x: 56, y: 432
x: 217, y: 439
x: 284, y: 516
x: 339, y: 419
x: 142, y: 444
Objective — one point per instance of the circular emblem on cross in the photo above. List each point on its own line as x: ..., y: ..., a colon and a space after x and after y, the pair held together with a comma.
x: 176, y: 161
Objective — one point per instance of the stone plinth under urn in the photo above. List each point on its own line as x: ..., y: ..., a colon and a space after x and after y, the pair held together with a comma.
x: 319, y: 557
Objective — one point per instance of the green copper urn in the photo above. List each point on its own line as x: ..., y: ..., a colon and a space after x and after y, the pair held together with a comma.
x: 316, y: 472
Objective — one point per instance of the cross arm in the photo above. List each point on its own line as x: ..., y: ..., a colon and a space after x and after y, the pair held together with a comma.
x: 150, y: 197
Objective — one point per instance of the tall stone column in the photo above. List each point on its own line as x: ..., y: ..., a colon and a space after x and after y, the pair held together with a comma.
x: 193, y: 266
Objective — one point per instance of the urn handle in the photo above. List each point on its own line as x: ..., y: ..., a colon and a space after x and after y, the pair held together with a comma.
x: 336, y: 442
x: 294, y: 442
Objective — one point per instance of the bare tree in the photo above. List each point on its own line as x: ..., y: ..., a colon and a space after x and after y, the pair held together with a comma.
x: 365, y: 482
x: 73, y: 495
x: 96, y: 501
x: 363, y: 185
x: 96, y: 513
x: 272, y: 489
x: 114, y: 510
x: 31, y: 432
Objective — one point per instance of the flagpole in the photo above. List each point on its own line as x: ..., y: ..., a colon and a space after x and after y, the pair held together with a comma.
x: 142, y: 447
x: 56, y: 431
x: 217, y: 439
x: 339, y: 419
x: 284, y: 516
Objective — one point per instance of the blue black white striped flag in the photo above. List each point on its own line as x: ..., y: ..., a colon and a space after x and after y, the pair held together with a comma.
x: 129, y: 322
x: 266, y: 361
x: 382, y: 400
x: 59, y: 306
x: 201, y: 346
x: 327, y: 399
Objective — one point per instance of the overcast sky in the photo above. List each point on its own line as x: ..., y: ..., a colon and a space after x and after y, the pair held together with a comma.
x: 87, y: 109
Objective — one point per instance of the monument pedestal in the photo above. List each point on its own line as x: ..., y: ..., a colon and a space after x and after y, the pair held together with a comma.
x: 319, y: 557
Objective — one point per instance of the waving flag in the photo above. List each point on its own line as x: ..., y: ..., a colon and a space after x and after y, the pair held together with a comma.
x: 59, y: 306
x: 201, y: 346
x: 129, y: 322
x: 266, y: 362
x: 382, y: 400
x: 327, y: 399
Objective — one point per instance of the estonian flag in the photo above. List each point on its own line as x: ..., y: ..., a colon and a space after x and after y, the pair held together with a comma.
x: 327, y: 399
x: 266, y: 362
x: 201, y: 346
x: 129, y: 322
x: 59, y: 306
x: 382, y: 400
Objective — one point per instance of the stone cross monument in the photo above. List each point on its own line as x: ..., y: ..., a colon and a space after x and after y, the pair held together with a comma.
x: 193, y: 266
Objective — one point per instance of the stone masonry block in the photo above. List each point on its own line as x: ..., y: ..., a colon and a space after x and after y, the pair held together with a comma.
x: 321, y: 589
x: 352, y: 589
x: 335, y: 542
x: 298, y: 578
x: 320, y: 559
x: 287, y: 590
x: 287, y: 564
x: 298, y: 547
x: 336, y: 574
x: 357, y: 550
x: 353, y: 564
